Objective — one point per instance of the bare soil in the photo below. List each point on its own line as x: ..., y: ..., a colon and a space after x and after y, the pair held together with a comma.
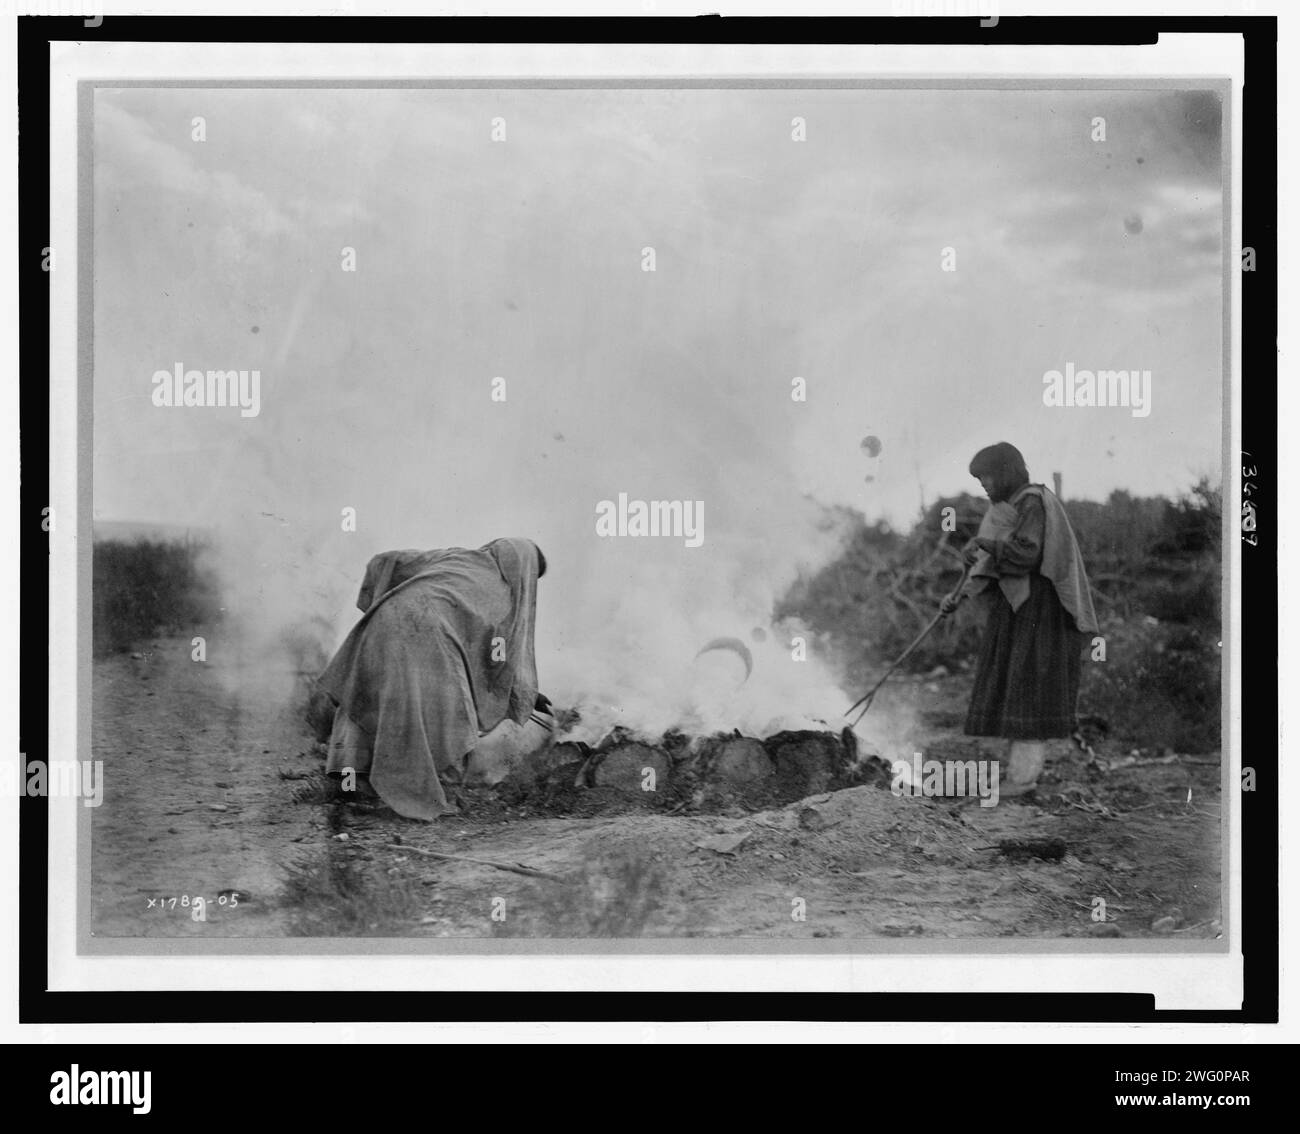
x: 213, y: 788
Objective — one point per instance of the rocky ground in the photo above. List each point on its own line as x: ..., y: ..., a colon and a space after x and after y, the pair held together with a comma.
x: 213, y: 789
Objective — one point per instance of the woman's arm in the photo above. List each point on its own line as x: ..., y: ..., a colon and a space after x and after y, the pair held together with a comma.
x: 1021, y: 550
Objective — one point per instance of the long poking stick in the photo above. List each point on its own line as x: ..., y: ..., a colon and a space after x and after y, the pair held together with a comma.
x: 870, y: 695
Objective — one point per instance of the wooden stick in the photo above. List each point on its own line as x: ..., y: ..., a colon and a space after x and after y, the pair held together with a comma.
x: 580, y: 780
x: 870, y: 695
x: 527, y: 871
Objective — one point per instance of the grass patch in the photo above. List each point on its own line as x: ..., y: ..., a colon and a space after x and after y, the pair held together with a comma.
x: 1159, y: 686
x: 145, y: 587
x: 335, y: 893
x: 609, y: 896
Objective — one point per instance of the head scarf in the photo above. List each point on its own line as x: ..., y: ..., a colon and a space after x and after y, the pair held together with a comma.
x: 518, y: 562
x: 1004, y: 466
x: 509, y: 689
x: 391, y: 569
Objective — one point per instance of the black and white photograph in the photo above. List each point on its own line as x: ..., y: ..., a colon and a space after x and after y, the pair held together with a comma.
x: 701, y: 510
x: 767, y: 530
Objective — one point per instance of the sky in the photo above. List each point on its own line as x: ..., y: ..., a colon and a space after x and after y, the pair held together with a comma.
x: 522, y: 259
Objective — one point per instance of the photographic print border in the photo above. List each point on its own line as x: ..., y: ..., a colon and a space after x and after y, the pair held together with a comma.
x: 1255, y: 590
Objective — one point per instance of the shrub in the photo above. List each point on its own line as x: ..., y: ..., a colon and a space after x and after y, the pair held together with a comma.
x: 1155, y: 569
x: 145, y: 587
x: 1159, y: 686
x: 1189, y: 597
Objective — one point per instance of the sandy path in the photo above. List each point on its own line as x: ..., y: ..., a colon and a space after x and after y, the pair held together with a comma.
x: 193, y: 804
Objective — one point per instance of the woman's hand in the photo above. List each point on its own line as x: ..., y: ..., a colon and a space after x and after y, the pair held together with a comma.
x: 971, y: 551
x: 542, y: 704
x: 950, y: 603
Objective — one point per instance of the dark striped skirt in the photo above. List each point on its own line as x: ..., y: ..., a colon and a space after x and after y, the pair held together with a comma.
x: 1027, y: 676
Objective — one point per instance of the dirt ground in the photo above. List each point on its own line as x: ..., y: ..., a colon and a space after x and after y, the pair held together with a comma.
x: 213, y: 788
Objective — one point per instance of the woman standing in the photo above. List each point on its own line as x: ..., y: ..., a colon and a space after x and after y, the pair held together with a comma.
x: 1029, y: 574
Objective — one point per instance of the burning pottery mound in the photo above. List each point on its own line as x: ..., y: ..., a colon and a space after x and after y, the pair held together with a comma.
x: 682, y: 773
x: 677, y: 773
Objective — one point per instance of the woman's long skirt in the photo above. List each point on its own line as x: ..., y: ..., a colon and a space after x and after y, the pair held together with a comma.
x: 1027, y: 675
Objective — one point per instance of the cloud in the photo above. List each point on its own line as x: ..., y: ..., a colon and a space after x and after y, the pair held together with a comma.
x: 130, y: 155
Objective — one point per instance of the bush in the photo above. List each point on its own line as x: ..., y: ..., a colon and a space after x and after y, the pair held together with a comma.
x: 1154, y: 565
x: 1159, y: 686
x: 142, y: 588
x: 873, y: 600
x: 1189, y: 597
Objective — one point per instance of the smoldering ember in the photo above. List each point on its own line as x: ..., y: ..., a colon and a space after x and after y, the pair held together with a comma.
x: 436, y: 645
